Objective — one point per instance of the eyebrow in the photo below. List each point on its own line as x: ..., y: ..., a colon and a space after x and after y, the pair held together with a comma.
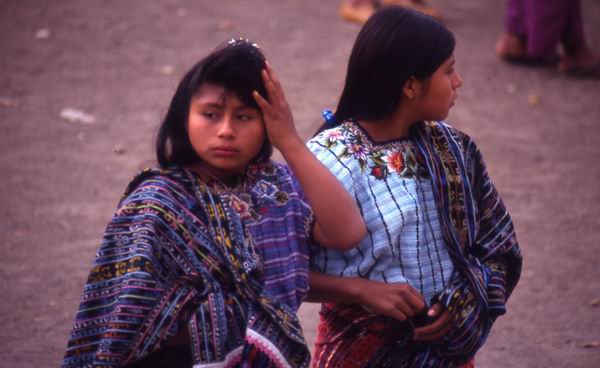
x: 208, y: 104
x: 246, y: 107
x: 219, y: 105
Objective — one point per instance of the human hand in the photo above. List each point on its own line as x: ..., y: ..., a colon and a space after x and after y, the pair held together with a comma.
x: 441, y: 325
x: 277, y: 115
x: 397, y: 300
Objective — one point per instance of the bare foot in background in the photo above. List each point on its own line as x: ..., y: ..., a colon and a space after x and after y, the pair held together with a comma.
x: 512, y: 48
x: 581, y: 63
x: 359, y: 11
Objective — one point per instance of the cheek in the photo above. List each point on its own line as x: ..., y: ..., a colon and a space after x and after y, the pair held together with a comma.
x: 256, y: 136
x: 444, y: 94
x: 197, y: 134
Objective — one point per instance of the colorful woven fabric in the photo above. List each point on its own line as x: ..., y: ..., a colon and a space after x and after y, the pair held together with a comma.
x: 228, y: 265
x: 405, y: 242
x: 481, y: 242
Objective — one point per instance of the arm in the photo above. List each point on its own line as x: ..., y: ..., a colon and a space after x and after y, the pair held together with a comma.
x: 397, y: 300
x: 338, y: 223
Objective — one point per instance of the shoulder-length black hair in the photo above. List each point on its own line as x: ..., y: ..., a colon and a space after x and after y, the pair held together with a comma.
x: 394, y: 45
x: 236, y: 66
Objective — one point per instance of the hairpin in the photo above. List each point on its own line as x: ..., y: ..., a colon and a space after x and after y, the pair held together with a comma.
x: 241, y: 40
x: 329, y: 117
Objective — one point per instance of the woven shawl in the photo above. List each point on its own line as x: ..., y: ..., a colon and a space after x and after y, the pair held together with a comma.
x: 479, y: 232
x: 174, y: 257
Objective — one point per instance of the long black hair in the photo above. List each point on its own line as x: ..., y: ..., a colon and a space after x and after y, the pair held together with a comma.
x: 394, y: 45
x: 236, y: 66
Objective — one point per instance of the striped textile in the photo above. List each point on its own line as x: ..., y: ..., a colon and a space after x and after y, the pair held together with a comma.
x: 480, y: 240
x: 405, y: 242
x: 229, y: 265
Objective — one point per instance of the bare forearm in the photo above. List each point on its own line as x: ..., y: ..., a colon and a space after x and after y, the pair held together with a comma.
x: 396, y: 300
x: 332, y: 289
x: 338, y: 222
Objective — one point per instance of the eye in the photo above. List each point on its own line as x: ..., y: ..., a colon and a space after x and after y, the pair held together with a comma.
x: 244, y: 117
x: 209, y: 115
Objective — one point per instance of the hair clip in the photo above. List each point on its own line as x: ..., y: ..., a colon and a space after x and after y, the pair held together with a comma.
x: 234, y: 42
x: 329, y: 117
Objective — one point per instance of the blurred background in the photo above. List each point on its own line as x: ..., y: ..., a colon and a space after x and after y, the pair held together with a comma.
x: 84, y: 84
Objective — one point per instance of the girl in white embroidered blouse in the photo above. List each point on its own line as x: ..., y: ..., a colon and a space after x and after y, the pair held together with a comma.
x: 440, y: 257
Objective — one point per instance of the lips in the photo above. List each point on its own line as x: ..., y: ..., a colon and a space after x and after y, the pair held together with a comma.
x: 225, y: 151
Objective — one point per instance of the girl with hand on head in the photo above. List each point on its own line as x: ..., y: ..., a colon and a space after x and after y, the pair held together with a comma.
x: 205, y: 262
x: 440, y: 258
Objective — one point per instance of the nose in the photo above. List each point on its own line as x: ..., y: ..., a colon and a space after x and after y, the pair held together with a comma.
x: 458, y: 81
x: 226, y: 128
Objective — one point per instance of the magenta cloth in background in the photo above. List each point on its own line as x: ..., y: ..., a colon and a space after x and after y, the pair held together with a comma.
x: 546, y: 23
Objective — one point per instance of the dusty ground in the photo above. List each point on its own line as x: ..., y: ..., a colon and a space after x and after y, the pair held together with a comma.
x: 119, y: 61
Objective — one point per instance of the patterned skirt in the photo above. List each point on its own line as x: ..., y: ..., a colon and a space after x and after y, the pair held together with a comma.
x: 351, y: 337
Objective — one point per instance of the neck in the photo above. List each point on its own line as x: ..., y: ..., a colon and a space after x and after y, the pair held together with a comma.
x: 392, y: 127
x: 228, y: 179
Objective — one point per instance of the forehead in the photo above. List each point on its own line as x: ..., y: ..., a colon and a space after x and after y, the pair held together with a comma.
x: 451, y: 60
x: 444, y: 67
x: 214, y: 94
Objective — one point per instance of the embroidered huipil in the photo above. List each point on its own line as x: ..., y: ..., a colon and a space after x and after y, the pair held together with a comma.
x: 469, y: 215
x: 230, y: 265
x: 394, y: 193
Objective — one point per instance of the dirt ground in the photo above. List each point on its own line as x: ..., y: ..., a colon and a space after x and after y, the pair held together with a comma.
x: 119, y: 62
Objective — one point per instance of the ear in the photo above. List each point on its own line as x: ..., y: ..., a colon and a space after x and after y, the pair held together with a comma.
x: 412, y: 88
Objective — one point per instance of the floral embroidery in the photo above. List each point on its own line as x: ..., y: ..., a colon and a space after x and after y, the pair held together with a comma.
x: 333, y: 136
x: 281, y: 197
x: 415, y: 167
x: 379, y: 172
x: 394, y: 161
x: 378, y: 160
x: 358, y: 150
x: 242, y: 208
x: 379, y: 169
x: 264, y: 189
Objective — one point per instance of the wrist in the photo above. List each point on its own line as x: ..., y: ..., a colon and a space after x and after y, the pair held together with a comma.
x: 357, y: 286
x: 290, y: 145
